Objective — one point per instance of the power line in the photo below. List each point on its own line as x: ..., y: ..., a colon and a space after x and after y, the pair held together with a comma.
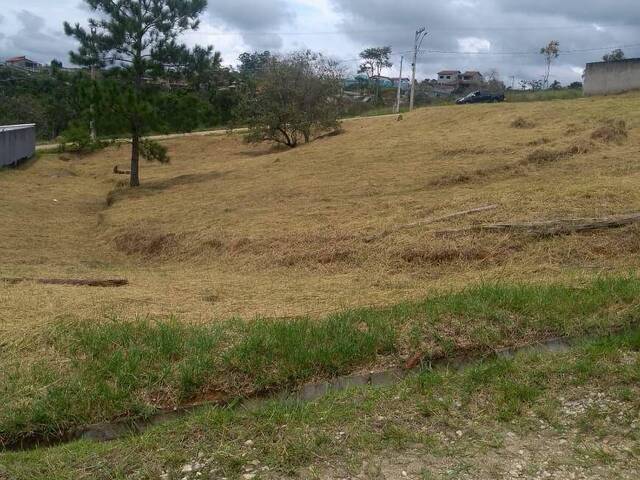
x: 400, y: 30
x: 523, y: 53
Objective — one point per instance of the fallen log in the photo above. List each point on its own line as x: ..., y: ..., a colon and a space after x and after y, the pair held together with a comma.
x: 427, y: 221
x: 111, y: 282
x: 552, y: 227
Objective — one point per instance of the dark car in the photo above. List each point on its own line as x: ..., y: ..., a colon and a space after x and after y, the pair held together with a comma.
x: 481, y: 97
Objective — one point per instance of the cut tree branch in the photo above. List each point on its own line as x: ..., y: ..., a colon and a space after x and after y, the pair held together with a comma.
x: 112, y: 282
x: 553, y: 227
x: 427, y: 221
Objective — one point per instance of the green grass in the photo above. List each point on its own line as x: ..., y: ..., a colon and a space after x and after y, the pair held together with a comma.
x: 543, y: 95
x: 115, y: 368
x: 488, y: 400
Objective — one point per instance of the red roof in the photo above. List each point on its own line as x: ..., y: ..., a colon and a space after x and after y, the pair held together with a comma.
x: 449, y: 72
x: 472, y: 72
x: 16, y: 59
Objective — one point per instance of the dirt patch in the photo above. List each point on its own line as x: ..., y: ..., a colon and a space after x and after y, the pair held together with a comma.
x: 611, y: 131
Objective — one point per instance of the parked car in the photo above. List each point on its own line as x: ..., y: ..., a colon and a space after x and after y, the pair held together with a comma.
x: 481, y: 97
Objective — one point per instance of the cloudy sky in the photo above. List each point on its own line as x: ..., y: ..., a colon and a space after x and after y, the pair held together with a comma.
x: 463, y: 34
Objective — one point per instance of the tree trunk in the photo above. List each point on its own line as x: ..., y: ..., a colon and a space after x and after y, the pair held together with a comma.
x: 135, y: 159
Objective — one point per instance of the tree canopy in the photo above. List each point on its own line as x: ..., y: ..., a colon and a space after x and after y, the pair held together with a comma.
x: 614, y: 56
x: 292, y: 99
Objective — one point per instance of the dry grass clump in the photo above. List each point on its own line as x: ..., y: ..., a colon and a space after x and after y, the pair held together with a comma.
x: 462, y: 178
x: 449, y: 180
x: 611, y: 131
x: 460, y: 250
x: 581, y: 147
x: 324, y: 256
x: 471, y: 150
x: 522, y: 122
x: 146, y: 244
x: 538, y: 142
x: 543, y: 156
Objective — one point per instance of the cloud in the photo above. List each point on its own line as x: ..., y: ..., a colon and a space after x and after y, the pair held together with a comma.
x: 34, y: 40
x: 474, y: 45
x: 258, y: 21
x: 485, y: 30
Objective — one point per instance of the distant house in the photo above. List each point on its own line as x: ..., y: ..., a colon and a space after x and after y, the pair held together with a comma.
x: 449, y: 77
x: 23, y: 62
x: 471, y: 79
x: 457, y: 79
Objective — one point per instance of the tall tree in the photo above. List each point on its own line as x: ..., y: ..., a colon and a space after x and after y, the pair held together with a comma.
x: 139, y: 37
x: 373, y: 61
x: 550, y: 52
x: 614, y: 56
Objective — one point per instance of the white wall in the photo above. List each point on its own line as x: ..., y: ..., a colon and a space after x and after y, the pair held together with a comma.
x: 604, y: 78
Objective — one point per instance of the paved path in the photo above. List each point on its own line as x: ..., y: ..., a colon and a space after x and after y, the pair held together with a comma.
x: 54, y: 146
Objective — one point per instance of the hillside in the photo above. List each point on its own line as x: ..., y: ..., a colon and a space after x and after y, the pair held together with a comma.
x: 228, y: 229
x: 255, y: 270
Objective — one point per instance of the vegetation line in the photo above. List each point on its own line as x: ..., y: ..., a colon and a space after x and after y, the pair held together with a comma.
x: 122, y: 427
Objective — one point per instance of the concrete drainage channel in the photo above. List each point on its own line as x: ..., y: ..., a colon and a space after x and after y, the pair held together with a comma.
x: 310, y: 392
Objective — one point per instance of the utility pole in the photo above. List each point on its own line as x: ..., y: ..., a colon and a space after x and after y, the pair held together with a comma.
x: 420, y: 35
x: 399, y: 86
x: 92, y: 122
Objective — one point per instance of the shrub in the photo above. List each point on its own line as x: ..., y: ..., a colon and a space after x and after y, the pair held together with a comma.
x: 77, y: 139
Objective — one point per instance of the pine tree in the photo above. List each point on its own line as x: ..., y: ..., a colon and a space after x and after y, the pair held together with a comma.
x: 138, y: 39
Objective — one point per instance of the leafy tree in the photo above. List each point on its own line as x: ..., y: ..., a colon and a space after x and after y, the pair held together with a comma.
x: 575, y: 85
x: 295, y: 98
x: 533, y: 85
x: 373, y: 61
x: 252, y: 64
x: 556, y: 85
x: 138, y: 38
x: 550, y: 52
x: 614, y: 56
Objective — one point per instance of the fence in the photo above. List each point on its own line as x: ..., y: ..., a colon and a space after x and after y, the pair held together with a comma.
x: 17, y: 142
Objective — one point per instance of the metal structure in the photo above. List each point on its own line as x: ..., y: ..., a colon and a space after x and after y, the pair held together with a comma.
x: 17, y: 142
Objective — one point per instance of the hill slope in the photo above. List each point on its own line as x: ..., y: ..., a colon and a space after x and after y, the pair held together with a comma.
x: 227, y: 229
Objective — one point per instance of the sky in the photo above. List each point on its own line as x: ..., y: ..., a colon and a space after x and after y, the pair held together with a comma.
x: 505, y: 35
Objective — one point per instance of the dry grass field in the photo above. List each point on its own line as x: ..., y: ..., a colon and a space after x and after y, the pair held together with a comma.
x: 228, y: 229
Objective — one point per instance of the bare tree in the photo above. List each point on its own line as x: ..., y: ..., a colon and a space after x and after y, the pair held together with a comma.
x: 550, y: 52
